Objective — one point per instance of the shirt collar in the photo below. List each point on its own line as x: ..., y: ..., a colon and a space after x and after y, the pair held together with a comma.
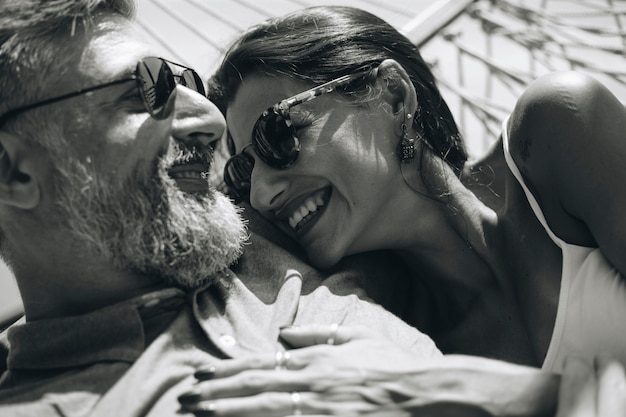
x: 113, y: 333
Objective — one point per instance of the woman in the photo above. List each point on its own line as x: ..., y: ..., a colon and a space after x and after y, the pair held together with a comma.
x: 364, y: 154
x: 516, y: 256
x: 366, y: 375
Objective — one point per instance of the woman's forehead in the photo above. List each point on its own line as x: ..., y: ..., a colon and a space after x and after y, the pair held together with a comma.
x: 256, y: 93
x: 266, y: 90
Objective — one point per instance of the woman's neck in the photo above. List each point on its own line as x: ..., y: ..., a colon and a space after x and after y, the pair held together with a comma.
x: 453, y: 239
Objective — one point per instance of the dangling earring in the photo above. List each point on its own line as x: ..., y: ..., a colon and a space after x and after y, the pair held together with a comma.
x: 406, y: 149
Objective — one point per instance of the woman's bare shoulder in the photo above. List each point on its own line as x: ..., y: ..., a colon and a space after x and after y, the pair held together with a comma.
x: 566, y: 134
x: 558, y: 112
x: 562, y: 119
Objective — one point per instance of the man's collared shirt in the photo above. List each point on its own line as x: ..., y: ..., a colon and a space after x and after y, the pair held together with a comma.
x: 135, y: 358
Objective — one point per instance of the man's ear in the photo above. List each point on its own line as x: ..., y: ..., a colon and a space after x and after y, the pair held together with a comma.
x: 397, y: 89
x: 18, y: 185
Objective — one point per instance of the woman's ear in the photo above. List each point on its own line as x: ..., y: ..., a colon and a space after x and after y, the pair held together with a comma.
x: 397, y: 89
x: 18, y: 187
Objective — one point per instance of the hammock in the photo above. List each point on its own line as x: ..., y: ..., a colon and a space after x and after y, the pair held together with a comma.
x: 489, y: 53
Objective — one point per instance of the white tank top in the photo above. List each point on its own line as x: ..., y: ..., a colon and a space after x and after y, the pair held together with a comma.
x: 591, y: 314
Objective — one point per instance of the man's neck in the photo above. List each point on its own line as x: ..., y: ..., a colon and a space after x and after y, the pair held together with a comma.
x: 67, y: 294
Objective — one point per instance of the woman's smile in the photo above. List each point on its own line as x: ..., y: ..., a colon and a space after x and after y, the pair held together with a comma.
x: 303, y: 211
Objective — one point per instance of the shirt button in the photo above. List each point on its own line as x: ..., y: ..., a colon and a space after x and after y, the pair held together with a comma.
x: 227, y: 340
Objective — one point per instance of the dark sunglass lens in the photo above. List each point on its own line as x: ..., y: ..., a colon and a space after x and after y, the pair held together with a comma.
x: 274, y: 141
x: 157, y: 84
x: 191, y: 79
x: 237, y: 173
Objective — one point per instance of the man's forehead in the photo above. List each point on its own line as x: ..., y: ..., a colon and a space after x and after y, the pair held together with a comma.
x: 113, y: 50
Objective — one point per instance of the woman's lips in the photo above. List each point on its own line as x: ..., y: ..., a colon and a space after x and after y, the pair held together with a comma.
x: 308, y: 209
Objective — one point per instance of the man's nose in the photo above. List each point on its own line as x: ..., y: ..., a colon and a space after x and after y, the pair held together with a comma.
x: 196, y: 119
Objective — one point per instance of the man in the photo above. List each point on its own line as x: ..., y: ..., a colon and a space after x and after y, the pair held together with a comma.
x: 119, y: 246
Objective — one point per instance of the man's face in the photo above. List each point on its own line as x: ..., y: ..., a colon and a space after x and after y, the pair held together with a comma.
x: 134, y: 189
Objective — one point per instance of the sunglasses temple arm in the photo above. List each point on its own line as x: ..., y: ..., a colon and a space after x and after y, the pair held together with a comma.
x: 309, y: 95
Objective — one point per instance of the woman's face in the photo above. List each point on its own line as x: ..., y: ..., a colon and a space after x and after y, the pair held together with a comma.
x: 337, y: 196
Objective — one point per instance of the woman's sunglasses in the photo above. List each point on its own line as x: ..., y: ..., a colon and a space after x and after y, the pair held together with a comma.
x: 274, y: 138
x: 156, y: 82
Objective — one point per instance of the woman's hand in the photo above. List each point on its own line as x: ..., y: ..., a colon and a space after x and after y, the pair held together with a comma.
x: 326, y: 377
x: 342, y: 370
x: 596, y: 390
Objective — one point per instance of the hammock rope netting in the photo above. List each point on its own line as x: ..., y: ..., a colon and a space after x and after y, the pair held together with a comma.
x: 487, y: 56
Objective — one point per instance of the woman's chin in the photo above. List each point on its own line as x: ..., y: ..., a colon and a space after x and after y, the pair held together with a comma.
x: 323, y: 259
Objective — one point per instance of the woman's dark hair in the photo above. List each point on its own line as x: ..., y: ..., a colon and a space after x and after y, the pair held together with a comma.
x: 318, y: 44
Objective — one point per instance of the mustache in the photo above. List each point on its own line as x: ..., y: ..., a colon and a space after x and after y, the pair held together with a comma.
x: 181, y: 154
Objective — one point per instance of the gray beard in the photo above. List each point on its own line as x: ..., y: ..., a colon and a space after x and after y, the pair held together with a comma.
x: 151, y: 226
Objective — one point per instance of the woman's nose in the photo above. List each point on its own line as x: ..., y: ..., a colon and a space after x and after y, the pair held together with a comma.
x: 266, y: 186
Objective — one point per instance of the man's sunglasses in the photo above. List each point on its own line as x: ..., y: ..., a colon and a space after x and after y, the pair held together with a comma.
x: 156, y: 82
x: 274, y: 138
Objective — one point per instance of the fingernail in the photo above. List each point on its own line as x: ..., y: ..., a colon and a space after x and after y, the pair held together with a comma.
x: 205, y: 410
x: 190, y: 397
x: 204, y: 374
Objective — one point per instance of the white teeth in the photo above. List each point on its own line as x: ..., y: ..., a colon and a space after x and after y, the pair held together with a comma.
x: 309, y: 206
x: 294, y: 220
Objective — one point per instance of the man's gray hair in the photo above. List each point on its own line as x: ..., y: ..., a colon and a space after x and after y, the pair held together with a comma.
x: 33, y: 36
